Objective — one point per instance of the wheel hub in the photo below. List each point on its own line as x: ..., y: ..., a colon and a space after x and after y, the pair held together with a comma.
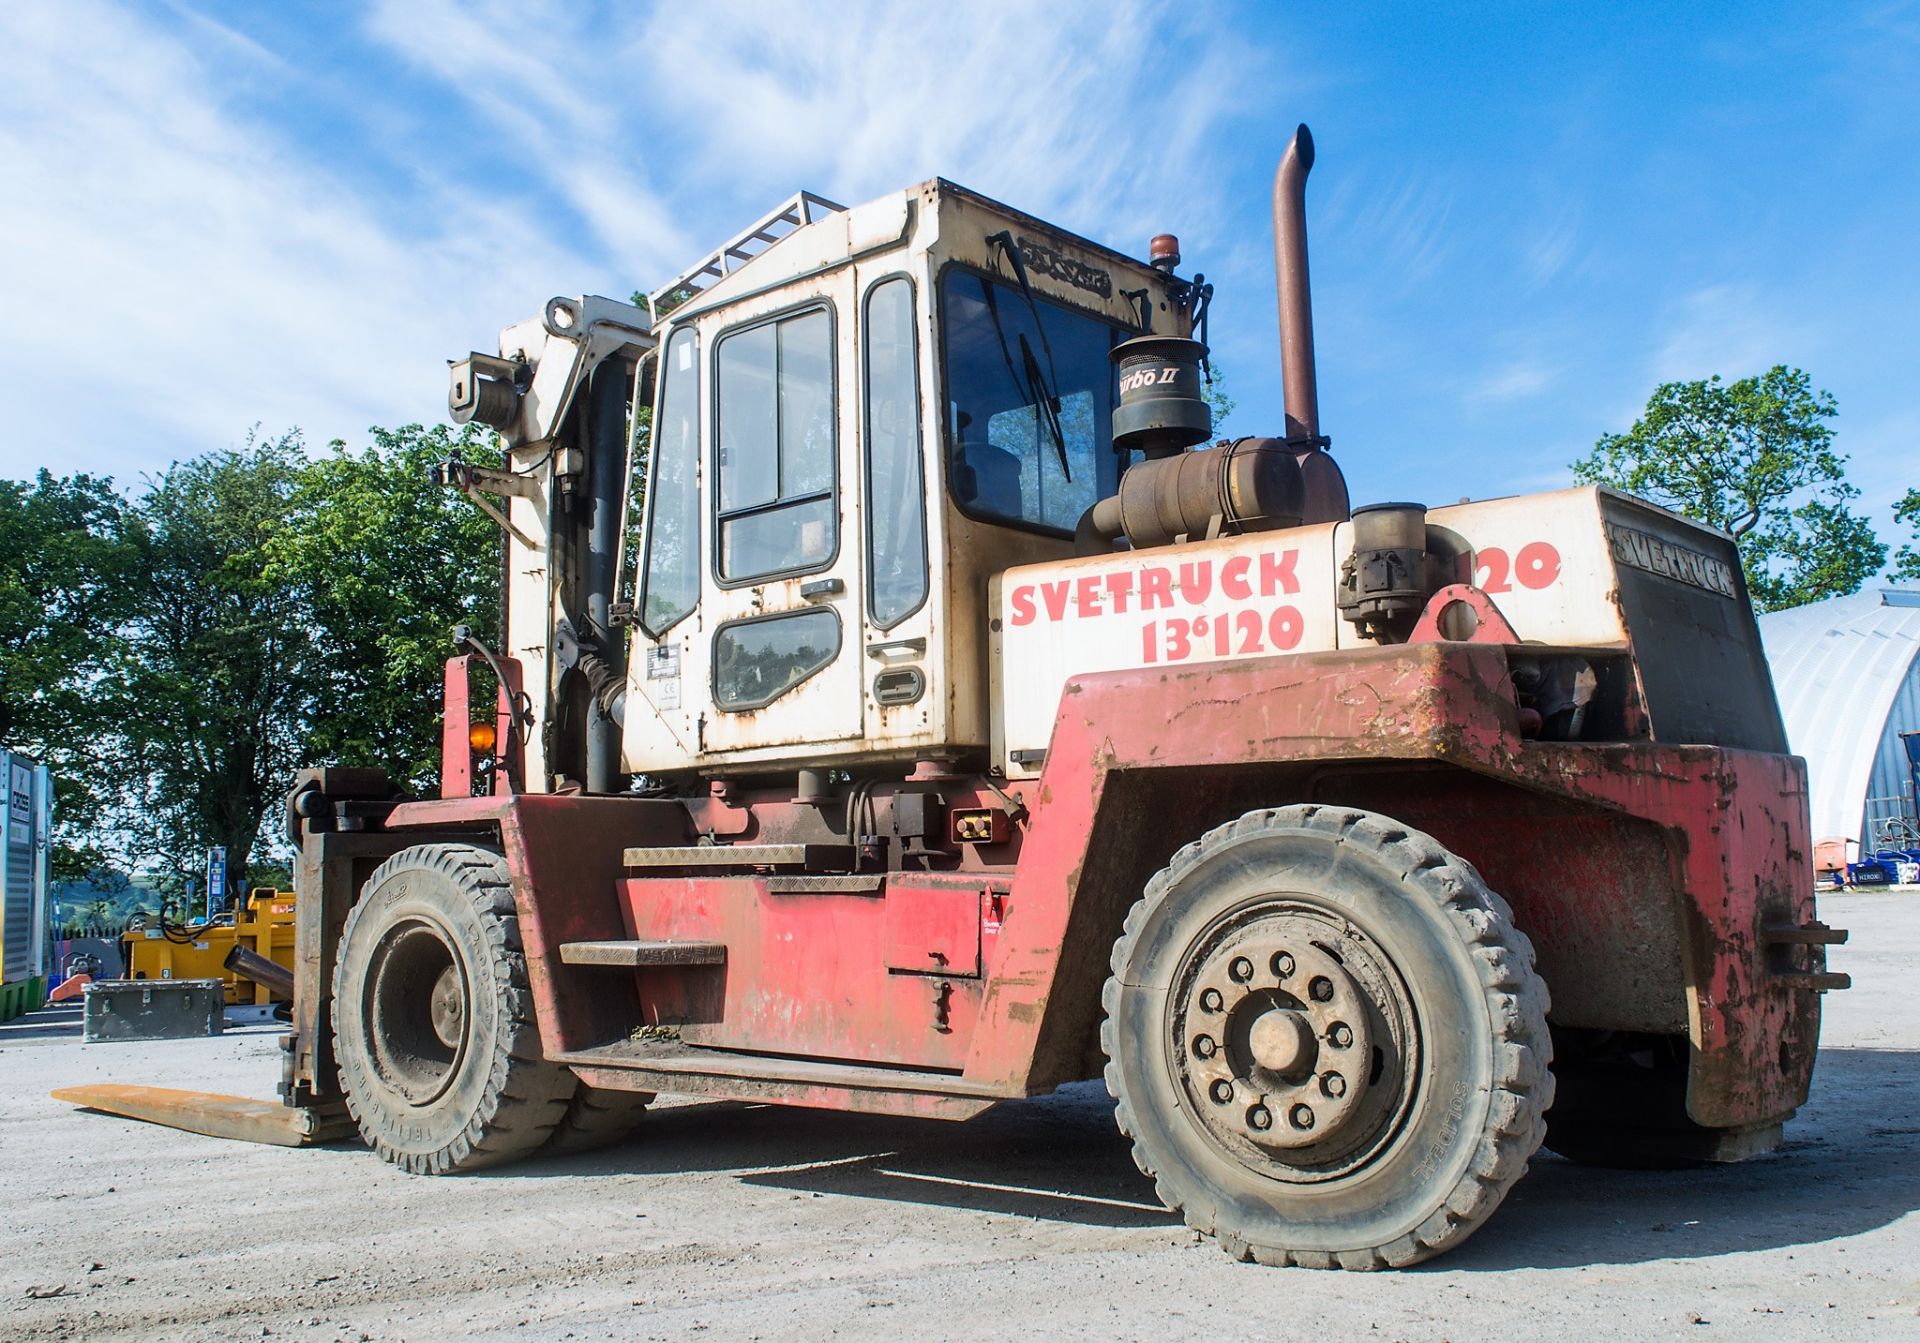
x: 449, y: 1008
x: 1293, y: 1058
x: 414, y: 1012
x: 1281, y: 1040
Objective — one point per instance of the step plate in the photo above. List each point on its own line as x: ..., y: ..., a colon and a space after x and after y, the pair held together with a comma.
x: 670, y: 1066
x: 808, y: 857
x: 662, y: 1058
x: 635, y: 955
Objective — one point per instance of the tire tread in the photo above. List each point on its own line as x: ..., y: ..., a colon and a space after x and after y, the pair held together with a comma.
x: 596, y: 1118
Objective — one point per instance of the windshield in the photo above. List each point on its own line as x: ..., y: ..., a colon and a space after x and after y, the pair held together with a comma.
x: 1013, y: 454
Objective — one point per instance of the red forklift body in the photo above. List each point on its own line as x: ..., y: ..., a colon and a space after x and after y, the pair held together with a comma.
x: 937, y: 993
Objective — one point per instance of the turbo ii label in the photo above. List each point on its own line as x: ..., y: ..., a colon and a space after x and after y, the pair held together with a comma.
x: 1250, y: 596
x: 1147, y: 377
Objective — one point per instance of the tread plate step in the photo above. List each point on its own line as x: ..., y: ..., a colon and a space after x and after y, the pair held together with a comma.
x: 633, y: 955
x: 676, y: 1058
x: 811, y: 857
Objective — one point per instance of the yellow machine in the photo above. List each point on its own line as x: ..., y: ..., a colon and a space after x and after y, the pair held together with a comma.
x: 170, y: 951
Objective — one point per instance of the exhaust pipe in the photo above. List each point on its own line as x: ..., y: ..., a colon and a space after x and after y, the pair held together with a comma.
x: 1325, y: 493
x: 1296, y: 298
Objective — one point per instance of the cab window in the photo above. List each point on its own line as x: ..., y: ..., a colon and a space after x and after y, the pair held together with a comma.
x: 896, y: 498
x: 670, y: 581
x: 758, y: 660
x: 774, y: 436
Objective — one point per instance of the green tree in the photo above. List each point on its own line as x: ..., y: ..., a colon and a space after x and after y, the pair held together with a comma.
x: 1755, y: 458
x: 218, y: 670
x: 177, y: 658
x: 1215, y: 391
x: 63, y: 593
x: 387, y: 563
x: 1906, y: 561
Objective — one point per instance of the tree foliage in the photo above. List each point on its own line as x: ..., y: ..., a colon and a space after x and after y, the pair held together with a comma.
x: 387, y: 563
x: 218, y: 673
x: 1756, y: 458
x: 1906, y: 561
x: 1214, y: 389
x: 63, y: 573
x: 175, y: 657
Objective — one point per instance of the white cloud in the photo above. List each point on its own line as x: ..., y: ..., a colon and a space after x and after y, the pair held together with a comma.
x: 551, y: 96
x: 1095, y: 116
x: 1516, y: 380
x: 1734, y: 330
x: 1552, y: 247
x: 177, y: 272
x: 191, y: 247
x: 1396, y: 224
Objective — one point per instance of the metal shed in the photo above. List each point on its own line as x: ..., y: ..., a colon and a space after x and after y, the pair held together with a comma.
x: 1847, y: 672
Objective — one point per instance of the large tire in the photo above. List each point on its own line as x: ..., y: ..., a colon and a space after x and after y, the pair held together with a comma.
x: 596, y: 1119
x: 433, y: 1021
x: 1326, y: 1040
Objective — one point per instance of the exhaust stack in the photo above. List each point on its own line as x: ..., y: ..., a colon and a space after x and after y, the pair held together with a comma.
x: 1296, y: 298
x: 1325, y: 497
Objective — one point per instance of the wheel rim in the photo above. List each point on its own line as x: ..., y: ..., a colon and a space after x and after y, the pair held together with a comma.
x: 1295, y: 1040
x: 415, y: 1011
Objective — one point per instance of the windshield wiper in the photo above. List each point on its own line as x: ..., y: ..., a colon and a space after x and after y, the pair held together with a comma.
x: 1047, y: 403
x: 1044, y: 386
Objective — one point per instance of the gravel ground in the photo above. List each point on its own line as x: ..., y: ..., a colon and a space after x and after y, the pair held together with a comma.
x: 755, y: 1222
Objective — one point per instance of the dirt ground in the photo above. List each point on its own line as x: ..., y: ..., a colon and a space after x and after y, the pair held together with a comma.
x: 754, y: 1222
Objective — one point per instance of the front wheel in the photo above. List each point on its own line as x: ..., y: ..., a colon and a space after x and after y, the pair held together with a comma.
x: 434, y: 1031
x: 1327, y: 1040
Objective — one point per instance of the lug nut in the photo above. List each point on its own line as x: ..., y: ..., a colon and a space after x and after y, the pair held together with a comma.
x: 1334, y: 1085
x: 1340, y: 1035
x: 1282, y: 964
x: 1221, y: 1091
x: 1241, y: 969
x: 1260, y: 1117
x: 1301, y: 1116
x: 1321, y: 989
x: 1203, y: 1046
x: 1210, y: 1000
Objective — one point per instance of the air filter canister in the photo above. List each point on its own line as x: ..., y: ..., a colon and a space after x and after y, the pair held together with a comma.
x: 1161, y: 408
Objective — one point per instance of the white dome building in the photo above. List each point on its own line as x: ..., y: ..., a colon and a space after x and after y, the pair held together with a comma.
x: 1847, y: 672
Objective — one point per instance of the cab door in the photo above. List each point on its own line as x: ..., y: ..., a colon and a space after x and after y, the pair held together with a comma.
x: 783, y: 600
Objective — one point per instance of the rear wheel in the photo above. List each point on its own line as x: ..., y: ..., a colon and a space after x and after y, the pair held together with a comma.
x: 596, y: 1119
x: 434, y: 1028
x: 1327, y: 1040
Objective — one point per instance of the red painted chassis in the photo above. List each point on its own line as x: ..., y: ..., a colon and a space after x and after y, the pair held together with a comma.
x: 1660, y: 885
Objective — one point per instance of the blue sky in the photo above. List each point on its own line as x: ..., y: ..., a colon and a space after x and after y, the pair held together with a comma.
x: 220, y: 214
